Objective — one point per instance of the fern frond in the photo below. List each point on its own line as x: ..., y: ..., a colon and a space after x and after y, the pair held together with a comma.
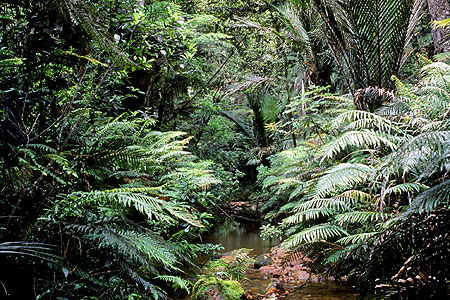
x: 341, y: 177
x: 360, y: 138
x: 33, y: 249
x: 357, y: 238
x: 363, y: 119
x: 177, y: 282
x: 314, y: 234
x: 432, y: 198
x: 138, y: 246
x: 146, y: 201
x: 395, y: 108
x: 307, y: 215
x: 416, y: 154
x: 405, y: 188
x: 361, y: 217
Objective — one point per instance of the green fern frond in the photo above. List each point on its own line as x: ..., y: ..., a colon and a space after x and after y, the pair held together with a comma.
x: 432, y: 198
x: 307, y: 215
x: 361, y: 138
x: 436, y: 74
x: 362, y: 119
x: 405, y: 188
x: 356, y: 238
x: 361, y: 217
x: 314, y: 234
x: 437, y: 125
x: 138, y: 246
x: 43, y: 148
x: 415, y: 155
x: 338, y: 254
x: 341, y: 177
x: 146, y: 201
x: 397, y: 107
x: 177, y: 282
x: 331, y: 203
x: 352, y: 196
x: 340, y: 202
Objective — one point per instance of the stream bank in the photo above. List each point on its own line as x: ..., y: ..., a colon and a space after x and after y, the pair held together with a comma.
x: 270, y: 273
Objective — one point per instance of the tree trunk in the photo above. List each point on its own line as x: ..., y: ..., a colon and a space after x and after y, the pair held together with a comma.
x: 440, y: 10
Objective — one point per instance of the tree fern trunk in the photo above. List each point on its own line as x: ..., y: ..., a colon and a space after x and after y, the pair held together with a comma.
x: 440, y: 10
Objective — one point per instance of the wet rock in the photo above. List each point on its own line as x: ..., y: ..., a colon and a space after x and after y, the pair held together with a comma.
x: 228, y: 259
x: 262, y: 261
x: 218, y: 256
x: 270, y: 271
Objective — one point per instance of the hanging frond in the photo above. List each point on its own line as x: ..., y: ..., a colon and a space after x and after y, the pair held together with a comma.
x: 248, y: 83
x: 432, y: 198
x: 340, y: 177
x: 33, y: 249
x: 361, y: 138
x: 357, y: 238
x: 405, y: 188
x: 367, y: 38
x: 364, y: 118
x: 361, y: 217
x: 314, y: 234
x: 308, y: 215
x: 416, y: 154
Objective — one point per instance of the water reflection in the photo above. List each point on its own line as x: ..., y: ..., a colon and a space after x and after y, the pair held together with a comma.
x: 234, y: 235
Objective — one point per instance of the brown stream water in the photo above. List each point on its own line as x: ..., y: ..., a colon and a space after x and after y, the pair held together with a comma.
x: 235, y: 235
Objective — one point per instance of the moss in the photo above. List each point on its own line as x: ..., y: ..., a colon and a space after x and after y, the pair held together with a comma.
x: 216, y: 288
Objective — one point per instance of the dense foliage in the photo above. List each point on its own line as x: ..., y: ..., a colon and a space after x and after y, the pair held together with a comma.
x: 127, y: 127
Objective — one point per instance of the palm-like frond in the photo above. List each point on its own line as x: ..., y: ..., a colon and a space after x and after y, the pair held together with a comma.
x: 368, y: 37
x: 292, y: 20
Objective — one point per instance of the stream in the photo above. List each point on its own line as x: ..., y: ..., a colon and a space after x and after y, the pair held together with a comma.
x: 234, y: 235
